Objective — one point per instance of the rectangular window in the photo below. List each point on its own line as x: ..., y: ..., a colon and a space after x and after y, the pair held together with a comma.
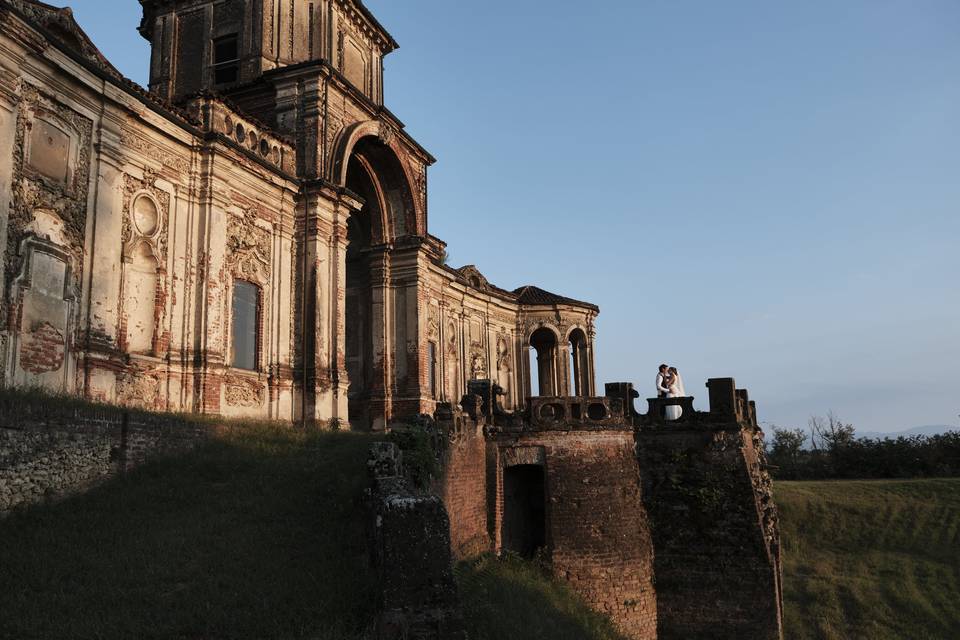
x: 226, y: 59
x: 246, y: 321
x: 432, y: 368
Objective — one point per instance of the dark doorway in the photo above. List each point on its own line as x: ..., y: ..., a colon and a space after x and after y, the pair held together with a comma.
x: 524, y: 510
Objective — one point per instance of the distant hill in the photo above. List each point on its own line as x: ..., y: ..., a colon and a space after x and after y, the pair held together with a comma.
x: 927, y: 430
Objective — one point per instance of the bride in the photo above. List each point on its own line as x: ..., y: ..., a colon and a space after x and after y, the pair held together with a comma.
x: 675, y: 385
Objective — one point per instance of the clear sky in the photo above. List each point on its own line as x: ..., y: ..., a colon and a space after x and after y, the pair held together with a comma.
x: 764, y: 190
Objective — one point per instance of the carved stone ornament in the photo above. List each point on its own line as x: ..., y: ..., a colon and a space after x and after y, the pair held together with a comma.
x: 474, y: 278
x: 249, y: 248
x: 478, y: 365
x: 452, y: 338
x: 241, y: 392
x: 134, y: 229
x: 433, y: 322
x: 503, y: 351
x: 132, y: 139
x: 138, y: 389
x: 54, y: 179
x: 386, y: 133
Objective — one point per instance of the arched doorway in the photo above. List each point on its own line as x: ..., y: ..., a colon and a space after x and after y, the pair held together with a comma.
x: 378, y: 319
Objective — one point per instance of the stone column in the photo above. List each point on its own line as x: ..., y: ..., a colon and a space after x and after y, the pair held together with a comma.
x: 104, y: 268
x: 339, y: 407
x: 382, y: 380
x: 591, y: 375
x: 320, y: 290
x: 8, y: 127
x: 212, y: 288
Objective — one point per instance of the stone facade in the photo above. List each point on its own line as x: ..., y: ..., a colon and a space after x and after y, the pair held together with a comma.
x: 261, y: 159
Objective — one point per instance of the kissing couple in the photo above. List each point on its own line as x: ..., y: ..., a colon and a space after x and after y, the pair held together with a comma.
x: 670, y: 385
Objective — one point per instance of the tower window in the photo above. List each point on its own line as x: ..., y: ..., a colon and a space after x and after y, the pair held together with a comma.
x: 246, y: 308
x: 226, y: 59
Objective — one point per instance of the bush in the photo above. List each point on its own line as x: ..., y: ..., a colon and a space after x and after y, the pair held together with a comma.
x: 836, y: 453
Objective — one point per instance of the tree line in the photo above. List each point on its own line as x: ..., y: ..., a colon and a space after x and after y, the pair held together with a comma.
x: 829, y: 449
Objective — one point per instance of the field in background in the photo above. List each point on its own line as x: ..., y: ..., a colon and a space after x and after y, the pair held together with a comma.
x: 871, y: 560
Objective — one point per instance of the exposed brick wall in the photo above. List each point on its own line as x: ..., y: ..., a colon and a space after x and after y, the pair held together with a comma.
x: 716, y: 550
x: 463, y: 487
x: 42, y: 350
x: 48, y: 451
x: 598, y: 535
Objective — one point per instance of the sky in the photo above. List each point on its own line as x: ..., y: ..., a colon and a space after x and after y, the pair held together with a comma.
x: 763, y: 190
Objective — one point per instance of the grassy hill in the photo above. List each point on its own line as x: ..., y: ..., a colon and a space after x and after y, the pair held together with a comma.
x: 877, y: 560
x: 259, y: 535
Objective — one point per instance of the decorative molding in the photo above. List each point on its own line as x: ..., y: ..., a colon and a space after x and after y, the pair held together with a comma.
x: 32, y: 191
x: 138, y: 389
x: 133, y: 189
x: 150, y: 149
x: 241, y: 392
x: 249, y: 248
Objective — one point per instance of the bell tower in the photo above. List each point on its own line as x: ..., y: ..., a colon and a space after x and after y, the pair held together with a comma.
x: 217, y: 45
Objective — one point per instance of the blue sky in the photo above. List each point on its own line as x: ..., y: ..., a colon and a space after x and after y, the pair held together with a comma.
x: 764, y: 190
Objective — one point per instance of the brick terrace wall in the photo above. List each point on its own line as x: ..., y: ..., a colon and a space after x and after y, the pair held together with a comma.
x: 597, y: 528
x: 49, y: 450
x: 716, y: 544
x: 463, y: 487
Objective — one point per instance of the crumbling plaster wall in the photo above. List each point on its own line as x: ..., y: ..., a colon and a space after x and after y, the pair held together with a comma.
x: 224, y: 210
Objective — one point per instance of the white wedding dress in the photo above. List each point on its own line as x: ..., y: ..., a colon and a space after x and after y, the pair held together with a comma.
x: 676, y: 391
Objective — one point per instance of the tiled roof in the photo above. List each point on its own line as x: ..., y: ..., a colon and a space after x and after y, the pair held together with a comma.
x: 536, y: 295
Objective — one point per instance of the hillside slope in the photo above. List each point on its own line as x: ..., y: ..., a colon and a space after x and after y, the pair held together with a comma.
x: 877, y: 560
x: 260, y: 534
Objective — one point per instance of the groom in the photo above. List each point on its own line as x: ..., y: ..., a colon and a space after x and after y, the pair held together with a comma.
x: 662, y: 389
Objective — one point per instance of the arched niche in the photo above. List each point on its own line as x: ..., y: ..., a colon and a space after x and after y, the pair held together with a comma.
x: 141, y: 286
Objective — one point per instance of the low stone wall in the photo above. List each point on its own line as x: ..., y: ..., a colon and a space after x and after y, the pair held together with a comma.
x: 51, y: 448
x: 410, y: 539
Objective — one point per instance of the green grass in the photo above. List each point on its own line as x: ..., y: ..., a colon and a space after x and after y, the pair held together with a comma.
x: 877, y: 560
x: 510, y: 599
x: 258, y: 534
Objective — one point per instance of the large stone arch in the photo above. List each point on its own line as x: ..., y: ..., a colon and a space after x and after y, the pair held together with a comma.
x: 374, y: 145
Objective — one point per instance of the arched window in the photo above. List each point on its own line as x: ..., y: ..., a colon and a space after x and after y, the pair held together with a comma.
x: 579, y: 364
x: 544, y: 342
x: 246, y: 325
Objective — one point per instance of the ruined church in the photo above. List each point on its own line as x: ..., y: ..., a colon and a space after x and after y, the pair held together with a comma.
x: 249, y: 235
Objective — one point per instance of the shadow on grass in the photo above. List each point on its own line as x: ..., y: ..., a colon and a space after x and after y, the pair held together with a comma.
x: 510, y: 599
x: 258, y: 534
